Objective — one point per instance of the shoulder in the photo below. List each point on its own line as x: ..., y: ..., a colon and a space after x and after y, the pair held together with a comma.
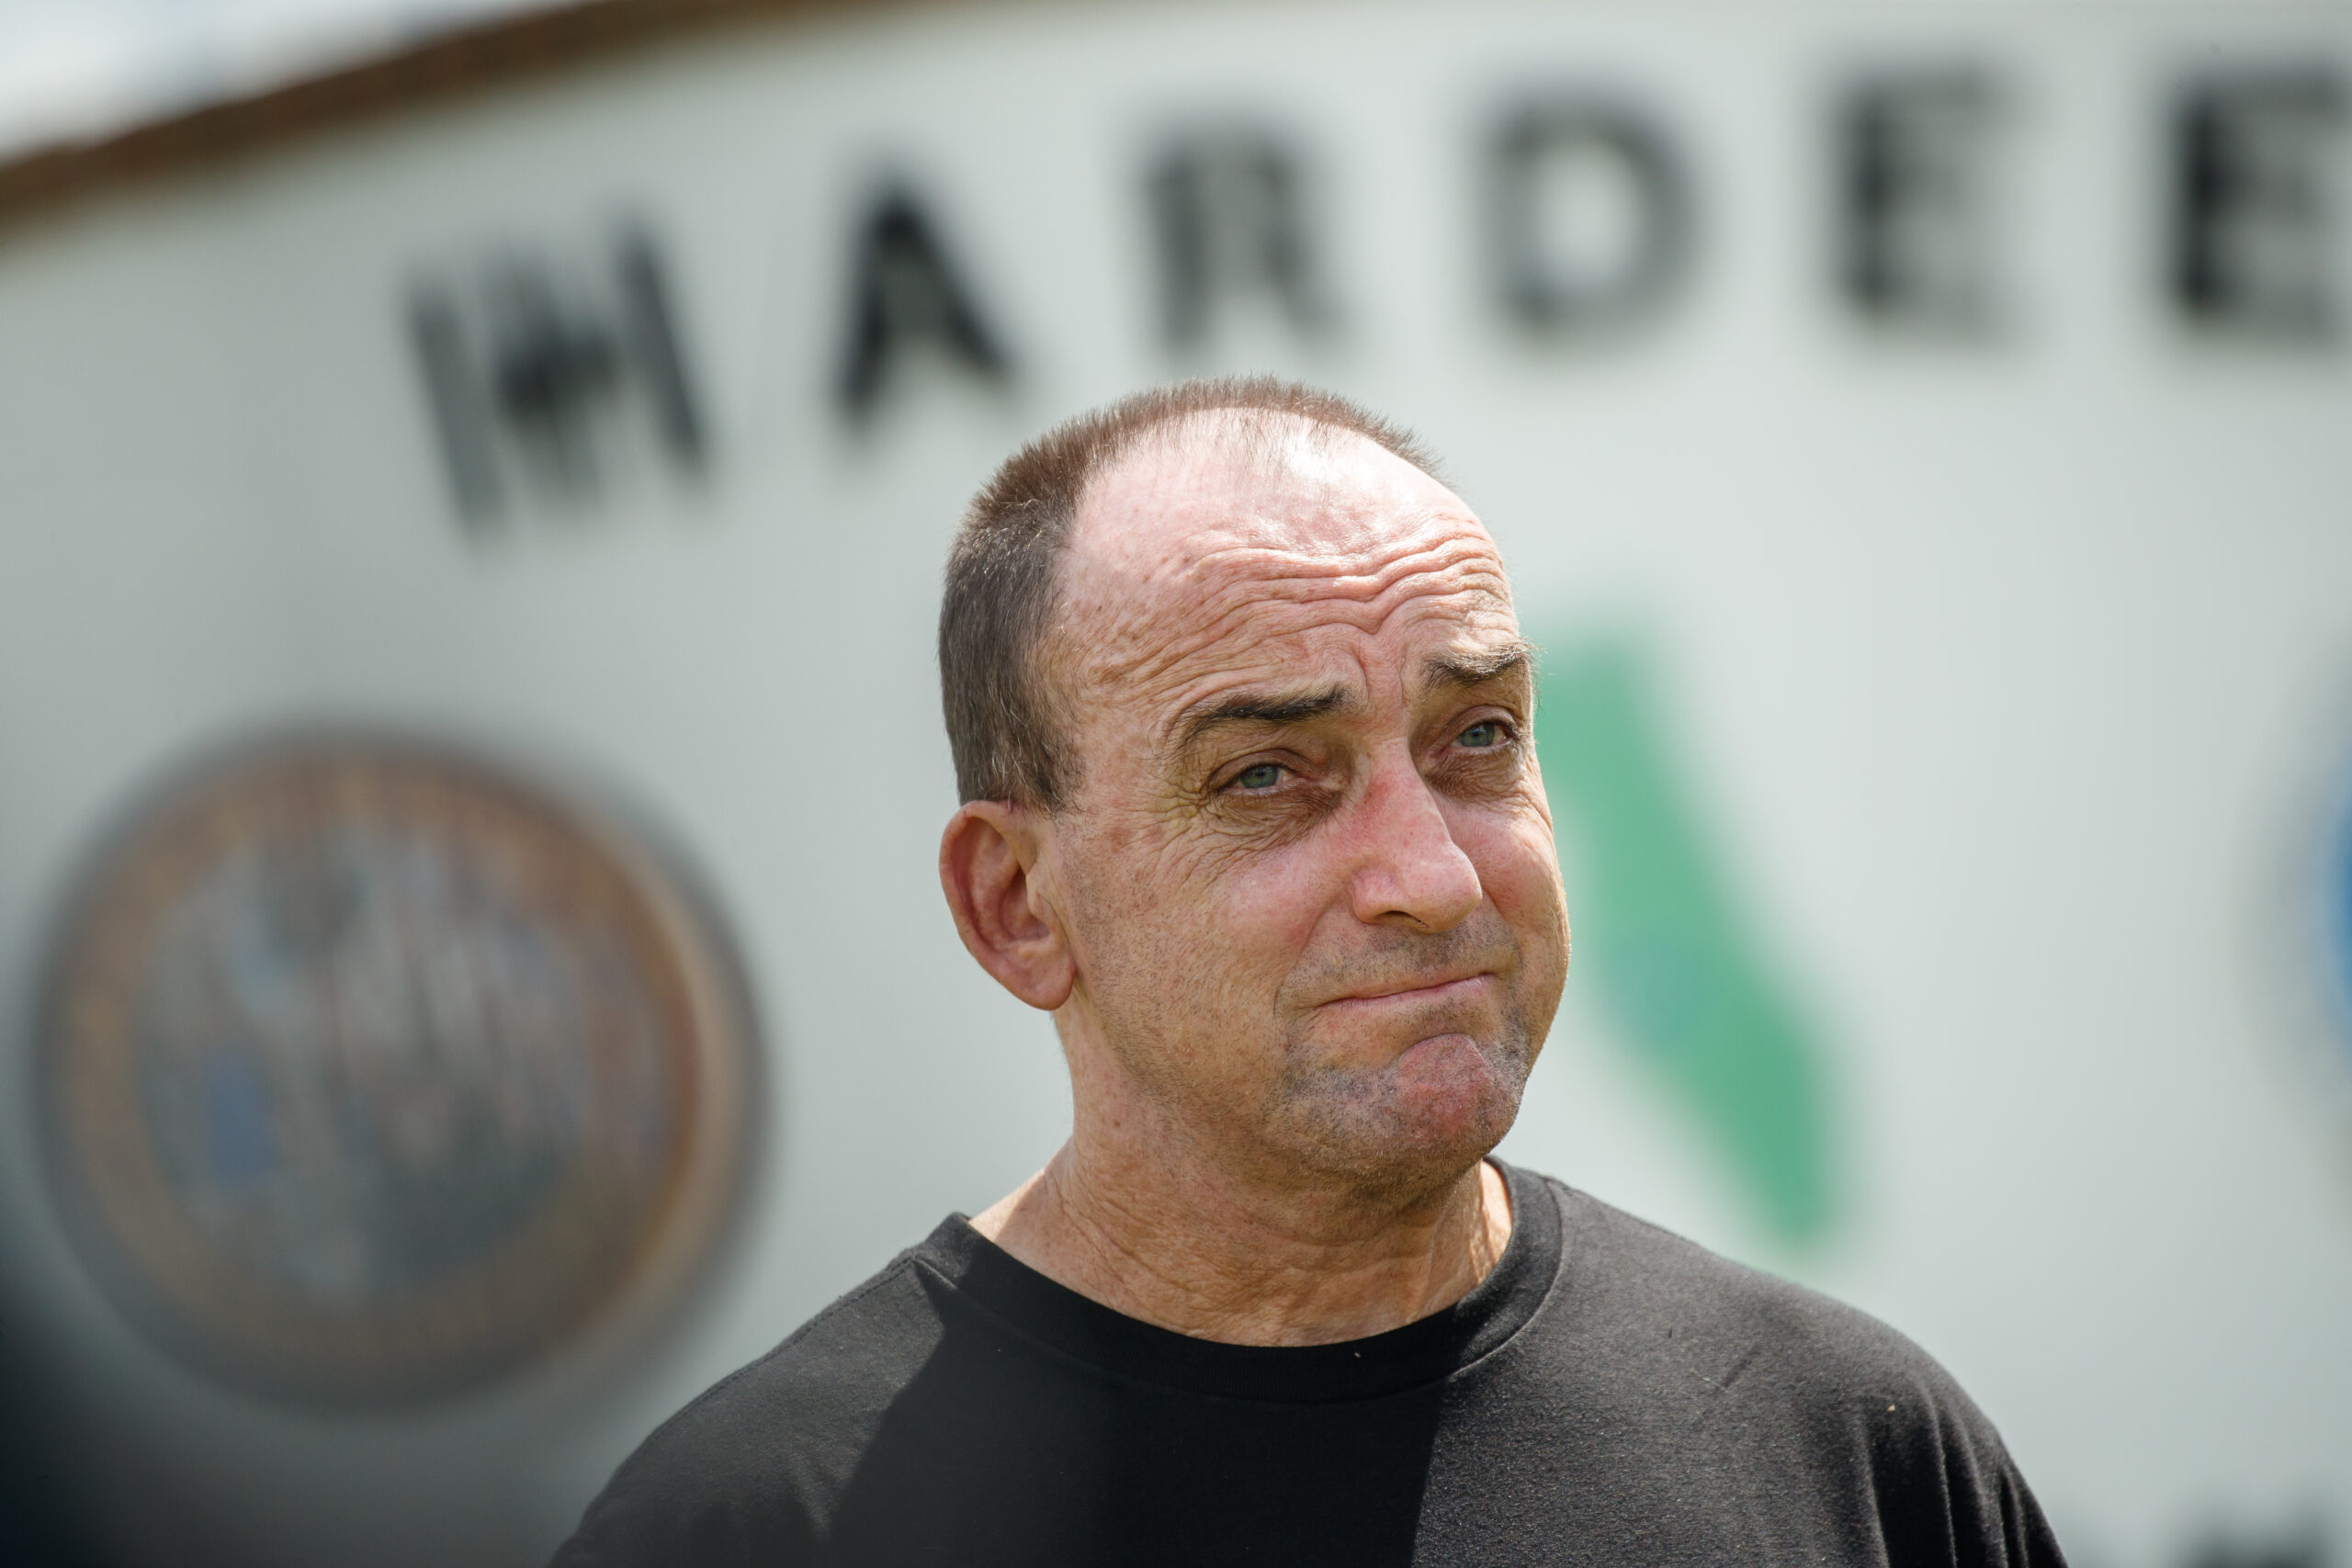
x: 821, y: 1388
x: 758, y: 1459
x: 1634, y: 1280
x: 1839, y: 1403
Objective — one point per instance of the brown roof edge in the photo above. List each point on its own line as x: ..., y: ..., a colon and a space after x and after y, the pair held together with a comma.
x: 491, y: 53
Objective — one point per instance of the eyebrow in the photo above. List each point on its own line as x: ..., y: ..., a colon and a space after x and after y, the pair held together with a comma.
x: 1462, y: 669
x: 1293, y: 709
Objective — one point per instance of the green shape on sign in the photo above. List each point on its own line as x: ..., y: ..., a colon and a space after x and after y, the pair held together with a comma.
x: 1655, y: 927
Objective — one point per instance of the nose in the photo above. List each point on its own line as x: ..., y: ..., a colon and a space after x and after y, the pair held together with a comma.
x: 1411, y: 872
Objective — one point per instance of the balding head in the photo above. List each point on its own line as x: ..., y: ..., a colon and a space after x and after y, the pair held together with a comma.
x: 1005, y: 724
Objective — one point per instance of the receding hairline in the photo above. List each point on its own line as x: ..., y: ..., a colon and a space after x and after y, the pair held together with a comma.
x: 1256, y: 433
x: 1008, y: 570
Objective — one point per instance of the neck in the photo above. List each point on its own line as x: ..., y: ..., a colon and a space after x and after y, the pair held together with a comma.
x: 1148, y: 1228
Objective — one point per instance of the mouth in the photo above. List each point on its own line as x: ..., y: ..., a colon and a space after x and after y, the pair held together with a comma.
x: 1456, y: 988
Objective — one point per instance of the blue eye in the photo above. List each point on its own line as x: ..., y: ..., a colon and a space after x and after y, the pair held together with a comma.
x: 1482, y: 736
x: 1263, y: 775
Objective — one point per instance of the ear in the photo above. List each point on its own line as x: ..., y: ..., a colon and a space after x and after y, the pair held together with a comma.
x: 988, y: 858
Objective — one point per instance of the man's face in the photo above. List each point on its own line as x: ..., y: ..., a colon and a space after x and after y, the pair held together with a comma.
x: 1306, y: 871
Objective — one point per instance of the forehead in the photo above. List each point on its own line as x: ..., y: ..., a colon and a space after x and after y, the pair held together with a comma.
x: 1244, y: 547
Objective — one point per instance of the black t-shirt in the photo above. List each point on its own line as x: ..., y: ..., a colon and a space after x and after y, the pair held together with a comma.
x: 1609, y: 1395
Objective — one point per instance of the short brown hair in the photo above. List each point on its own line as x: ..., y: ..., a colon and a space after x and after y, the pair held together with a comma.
x: 1003, y: 571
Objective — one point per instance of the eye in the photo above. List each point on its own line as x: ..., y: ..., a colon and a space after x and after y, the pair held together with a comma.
x: 1259, y: 775
x: 1484, y: 736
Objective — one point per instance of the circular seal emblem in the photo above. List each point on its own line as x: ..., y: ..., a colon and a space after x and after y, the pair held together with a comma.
x: 376, y: 1072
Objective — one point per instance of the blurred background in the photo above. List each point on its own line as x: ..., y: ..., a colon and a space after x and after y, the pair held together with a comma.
x: 474, y: 478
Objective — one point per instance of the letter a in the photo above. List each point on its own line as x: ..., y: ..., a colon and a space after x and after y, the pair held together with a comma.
x: 905, y: 295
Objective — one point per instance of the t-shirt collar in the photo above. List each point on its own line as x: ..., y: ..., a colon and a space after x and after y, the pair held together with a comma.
x: 1064, y: 1322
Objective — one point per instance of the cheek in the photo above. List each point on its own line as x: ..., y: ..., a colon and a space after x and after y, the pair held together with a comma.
x: 1274, y: 901
x: 1519, y: 867
x: 1256, y: 909
x: 1179, y: 915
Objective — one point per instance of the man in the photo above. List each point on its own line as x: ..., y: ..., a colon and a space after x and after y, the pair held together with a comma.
x: 1240, y: 716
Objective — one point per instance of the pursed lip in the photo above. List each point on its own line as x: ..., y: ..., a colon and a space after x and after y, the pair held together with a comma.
x: 1442, y: 988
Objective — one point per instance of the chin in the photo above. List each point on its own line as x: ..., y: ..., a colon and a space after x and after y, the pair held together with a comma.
x: 1453, y: 1092
x: 1428, y: 1116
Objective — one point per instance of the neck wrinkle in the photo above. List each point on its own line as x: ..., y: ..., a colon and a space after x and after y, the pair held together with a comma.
x: 1175, y: 1242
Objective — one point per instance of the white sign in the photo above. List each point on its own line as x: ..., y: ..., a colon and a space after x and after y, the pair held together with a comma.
x: 1921, y: 437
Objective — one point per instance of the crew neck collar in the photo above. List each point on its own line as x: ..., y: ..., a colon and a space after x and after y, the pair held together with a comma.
x: 1423, y: 1351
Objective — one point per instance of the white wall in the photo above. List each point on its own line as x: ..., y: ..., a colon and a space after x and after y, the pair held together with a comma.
x: 2008, y: 676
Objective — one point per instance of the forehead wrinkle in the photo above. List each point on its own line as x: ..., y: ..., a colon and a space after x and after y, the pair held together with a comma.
x: 1197, y: 557
x: 1222, y: 559
x: 1238, y: 586
x: 1297, y: 574
x: 1143, y: 649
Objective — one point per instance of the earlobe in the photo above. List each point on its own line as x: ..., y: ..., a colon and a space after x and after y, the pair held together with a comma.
x: 987, y: 858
